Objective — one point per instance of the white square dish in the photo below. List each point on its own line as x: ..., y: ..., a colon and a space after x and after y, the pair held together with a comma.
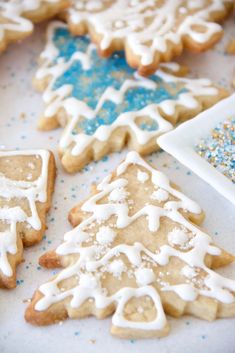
x: 181, y: 144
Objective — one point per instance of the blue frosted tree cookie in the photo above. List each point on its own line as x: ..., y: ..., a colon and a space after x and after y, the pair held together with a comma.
x: 104, y: 104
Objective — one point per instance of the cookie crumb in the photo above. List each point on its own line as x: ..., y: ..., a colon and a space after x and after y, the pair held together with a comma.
x: 26, y: 300
x: 92, y: 341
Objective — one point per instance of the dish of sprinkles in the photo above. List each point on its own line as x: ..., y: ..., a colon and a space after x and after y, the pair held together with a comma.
x: 219, y: 148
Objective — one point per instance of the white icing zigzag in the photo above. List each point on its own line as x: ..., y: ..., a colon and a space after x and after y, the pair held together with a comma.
x: 12, y: 11
x: 75, y: 109
x: 97, y: 256
x: 139, y: 23
x: 33, y: 191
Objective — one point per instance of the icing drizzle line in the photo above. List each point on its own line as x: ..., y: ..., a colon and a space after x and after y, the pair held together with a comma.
x: 147, y: 26
x: 33, y: 191
x: 94, y: 259
x: 55, y: 67
x: 12, y: 12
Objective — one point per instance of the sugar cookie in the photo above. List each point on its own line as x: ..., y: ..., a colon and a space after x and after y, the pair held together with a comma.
x: 135, y: 256
x: 150, y: 31
x: 26, y: 187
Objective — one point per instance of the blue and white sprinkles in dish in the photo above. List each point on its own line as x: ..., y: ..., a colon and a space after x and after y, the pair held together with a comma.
x: 219, y: 148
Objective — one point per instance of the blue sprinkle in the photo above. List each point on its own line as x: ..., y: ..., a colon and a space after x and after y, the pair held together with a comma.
x: 94, y: 81
x: 105, y: 158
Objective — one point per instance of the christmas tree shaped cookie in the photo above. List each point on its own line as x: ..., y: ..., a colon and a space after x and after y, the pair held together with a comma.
x: 17, y: 17
x: 150, y: 31
x: 26, y: 187
x: 137, y: 254
x: 105, y: 104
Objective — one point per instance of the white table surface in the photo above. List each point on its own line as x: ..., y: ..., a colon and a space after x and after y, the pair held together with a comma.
x: 20, y: 107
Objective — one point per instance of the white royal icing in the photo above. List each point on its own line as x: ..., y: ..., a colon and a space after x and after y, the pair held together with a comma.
x: 116, y: 267
x: 13, y: 13
x: 188, y: 272
x: 142, y: 176
x: 144, y: 276
x: 159, y: 195
x: 118, y: 195
x: 75, y: 109
x: 33, y: 191
x: 146, y: 27
x: 105, y: 235
x: 94, y: 261
x: 177, y: 237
